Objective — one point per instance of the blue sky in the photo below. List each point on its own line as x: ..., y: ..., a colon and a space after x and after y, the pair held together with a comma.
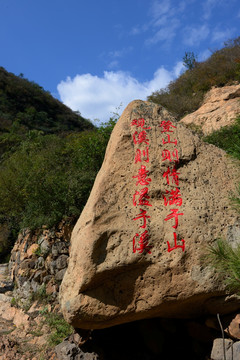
x: 95, y: 55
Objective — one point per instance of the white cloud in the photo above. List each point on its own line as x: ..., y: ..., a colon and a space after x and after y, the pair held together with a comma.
x: 195, y: 35
x: 220, y: 35
x: 165, y: 20
x: 113, y: 64
x: 209, y: 5
x: 97, y: 97
x: 165, y: 34
x: 159, y: 8
x: 120, y: 53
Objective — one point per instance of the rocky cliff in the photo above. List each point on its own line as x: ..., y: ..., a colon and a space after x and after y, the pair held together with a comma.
x: 220, y: 108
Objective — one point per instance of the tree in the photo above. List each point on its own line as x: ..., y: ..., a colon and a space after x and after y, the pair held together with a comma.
x: 189, y: 60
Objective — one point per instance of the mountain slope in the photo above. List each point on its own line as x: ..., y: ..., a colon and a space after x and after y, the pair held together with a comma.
x: 32, y: 107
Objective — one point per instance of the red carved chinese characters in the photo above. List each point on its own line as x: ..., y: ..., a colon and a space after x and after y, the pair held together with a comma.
x: 168, y: 141
x: 173, y: 196
x: 142, y: 155
x: 139, y: 138
x: 167, y: 155
x: 142, y: 243
x: 144, y: 216
x: 166, y: 125
x: 173, y: 172
x: 141, y: 197
x: 175, y: 244
x: 142, y: 176
x: 174, y: 215
x: 139, y: 123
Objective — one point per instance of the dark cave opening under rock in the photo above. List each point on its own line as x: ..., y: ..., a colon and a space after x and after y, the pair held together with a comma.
x: 156, y: 338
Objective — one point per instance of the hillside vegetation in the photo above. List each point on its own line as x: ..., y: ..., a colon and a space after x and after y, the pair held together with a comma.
x: 49, y: 158
x: 25, y: 106
x: 185, y: 94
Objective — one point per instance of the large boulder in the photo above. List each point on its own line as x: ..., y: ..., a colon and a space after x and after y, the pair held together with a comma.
x: 124, y: 262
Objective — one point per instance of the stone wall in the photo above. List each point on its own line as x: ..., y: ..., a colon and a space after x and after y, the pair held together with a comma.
x: 39, y: 260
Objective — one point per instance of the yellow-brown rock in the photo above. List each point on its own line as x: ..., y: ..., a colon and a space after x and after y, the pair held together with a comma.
x: 106, y: 283
x: 220, y: 108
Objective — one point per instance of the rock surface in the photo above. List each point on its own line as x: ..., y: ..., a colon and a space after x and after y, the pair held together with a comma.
x: 106, y: 283
x: 232, y: 350
x: 70, y: 351
x: 39, y: 260
x: 220, y: 107
x: 233, y: 330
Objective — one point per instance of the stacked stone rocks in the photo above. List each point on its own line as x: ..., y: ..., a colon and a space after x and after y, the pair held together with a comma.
x: 39, y: 260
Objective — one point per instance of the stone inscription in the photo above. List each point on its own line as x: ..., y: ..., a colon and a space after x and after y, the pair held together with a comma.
x: 171, y: 197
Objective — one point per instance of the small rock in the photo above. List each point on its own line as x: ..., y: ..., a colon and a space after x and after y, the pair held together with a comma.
x: 59, y: 248
x: 51, y: 287
x: 236, y: 351
x: 60, y: 274
x: 44, y: 245
x: 21, y: 319
x: 70, y: 351
x: 27, y: 264
x: 55, y: 250
x: 40, y: 262
x: 38, y: 276
x: 34, y: 308
x: 234, y: 328
x: 32, y: 249
x: 26, y: 290
x: 66, y: 351
x: 47, y: 278
x: 5, y: 298
x: 52, y: 267
x: 61, y: 262
x: 217, y: 349
x: 35, y: 286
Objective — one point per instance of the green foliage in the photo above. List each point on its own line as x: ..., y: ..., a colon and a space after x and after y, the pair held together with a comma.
x: 38, y: 251
x: 48, y: 177
x: 189, y: 60
x: 227, y: 138
x: 226, y: 260
x: 185, y: 94
x: 13, y: 301
x: 26, y: 107
x: 60, y: 329
x: 35, y: 108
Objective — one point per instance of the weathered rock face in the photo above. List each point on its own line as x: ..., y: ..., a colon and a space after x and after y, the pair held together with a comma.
x: 220, y: 107
x: 106, y: 282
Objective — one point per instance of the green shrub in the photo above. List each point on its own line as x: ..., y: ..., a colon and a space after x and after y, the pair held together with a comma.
x: 226, y: 260
x: 185, y: 94
x: 60, y: 329
x: 49, y: 177
x: 227, y: 138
